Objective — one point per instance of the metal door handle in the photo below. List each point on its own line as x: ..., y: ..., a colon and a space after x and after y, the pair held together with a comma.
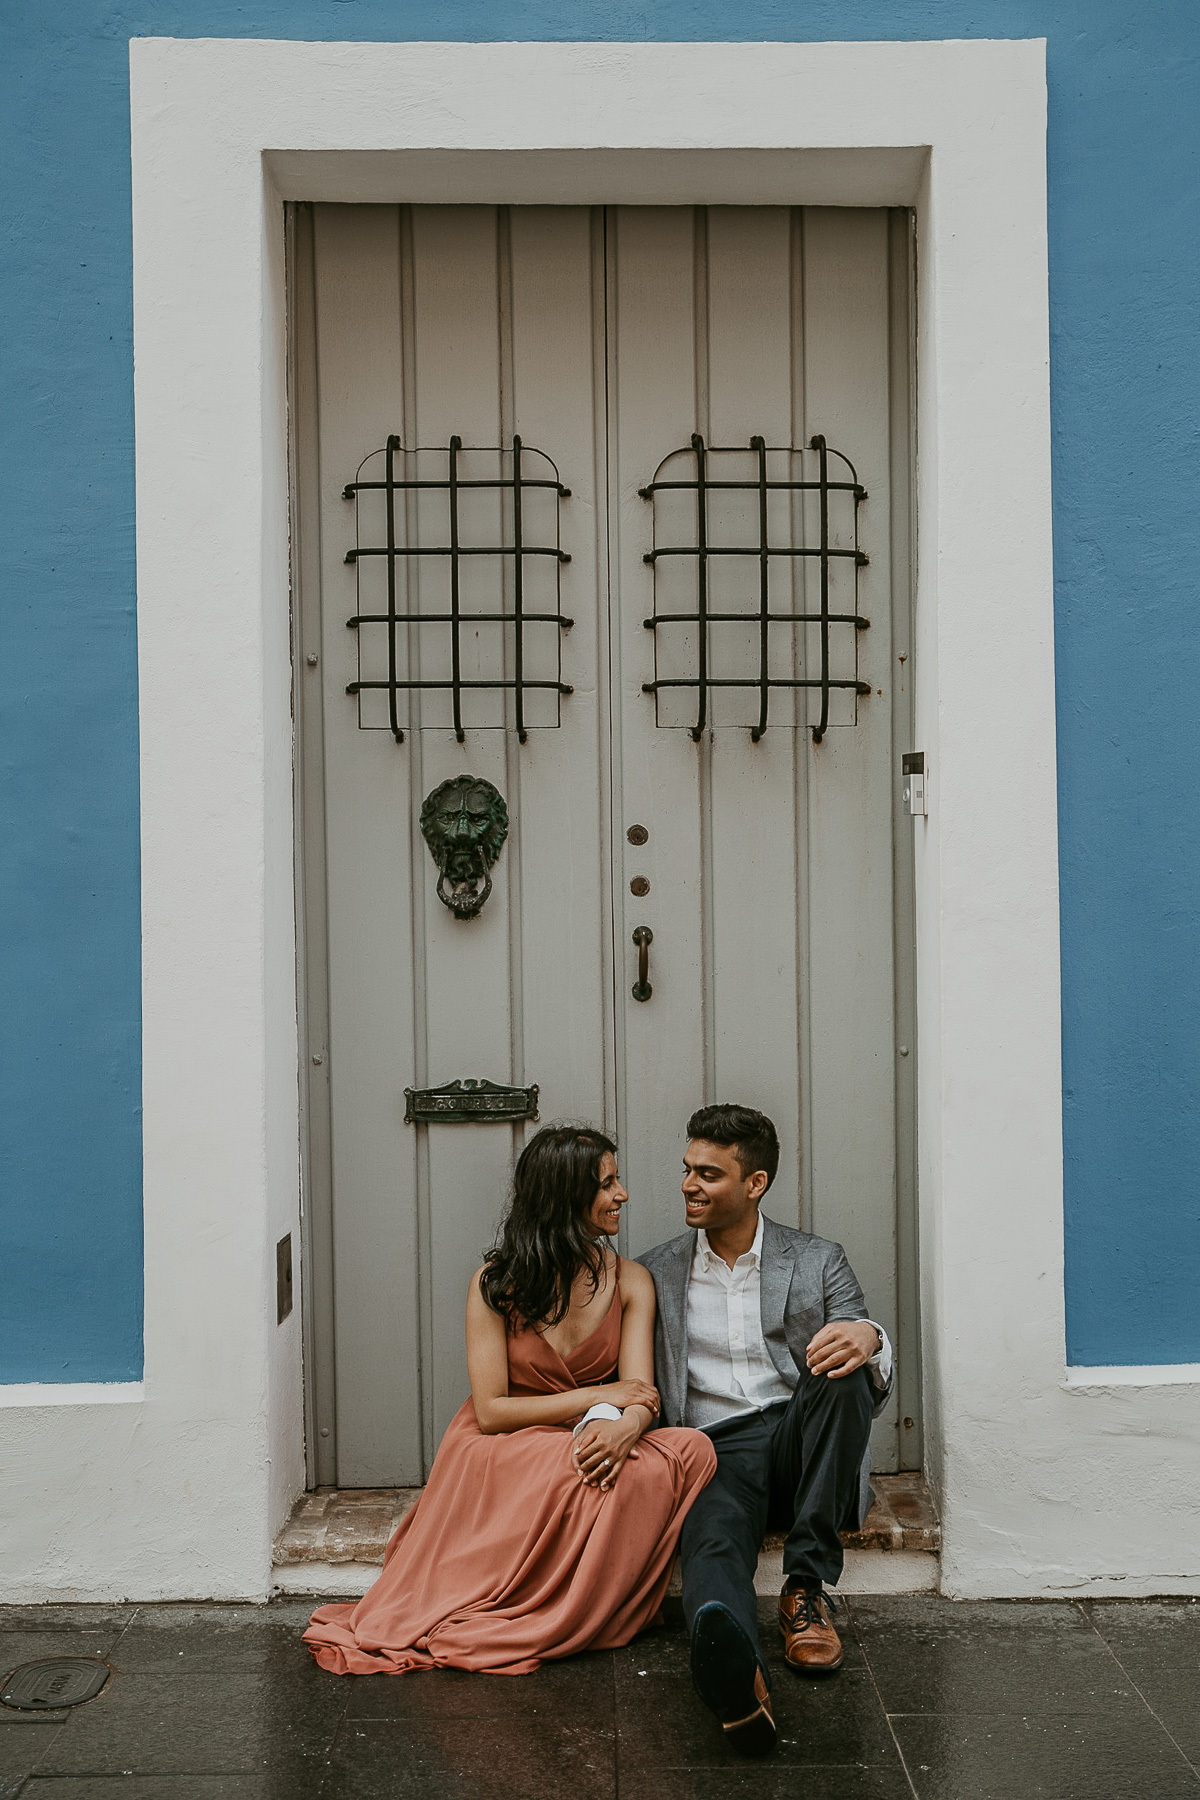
x: 643, y: 937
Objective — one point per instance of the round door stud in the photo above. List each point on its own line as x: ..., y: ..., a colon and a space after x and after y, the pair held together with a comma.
x: 637, y: 834
x: 639, y: 886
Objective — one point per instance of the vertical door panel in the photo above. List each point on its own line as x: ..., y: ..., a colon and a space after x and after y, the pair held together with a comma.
x: 466, y: 977
x: 561, y: 777
x: 471, y: 322
x: 851, y: 788
x: 772, y: 861
x: 756, y: 790
x: 369, y: 879
x: 652, y: 389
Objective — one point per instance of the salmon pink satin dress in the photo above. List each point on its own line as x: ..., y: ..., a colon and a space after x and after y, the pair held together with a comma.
x: 508, y: 1558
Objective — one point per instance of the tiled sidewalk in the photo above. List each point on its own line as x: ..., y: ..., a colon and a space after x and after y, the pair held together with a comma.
x: 938, y: 1700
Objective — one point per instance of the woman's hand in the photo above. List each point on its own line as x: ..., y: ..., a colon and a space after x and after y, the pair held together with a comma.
x: 631, y: 1393
x: 602, y: 1447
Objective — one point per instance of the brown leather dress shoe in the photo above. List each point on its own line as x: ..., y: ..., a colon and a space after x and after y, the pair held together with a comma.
x: 755, y: 1734
x: 810, y: 1642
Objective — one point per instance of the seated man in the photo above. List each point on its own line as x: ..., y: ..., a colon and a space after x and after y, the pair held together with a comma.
x: 763, y: 1342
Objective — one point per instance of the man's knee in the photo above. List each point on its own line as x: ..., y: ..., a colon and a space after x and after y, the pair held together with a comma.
x: 843, y: 1407
x: 854, y: 1392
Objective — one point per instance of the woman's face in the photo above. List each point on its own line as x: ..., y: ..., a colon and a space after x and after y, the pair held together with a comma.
x: 604, y: 1214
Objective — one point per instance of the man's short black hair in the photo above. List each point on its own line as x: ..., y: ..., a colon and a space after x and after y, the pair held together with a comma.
x: 749, y: 1134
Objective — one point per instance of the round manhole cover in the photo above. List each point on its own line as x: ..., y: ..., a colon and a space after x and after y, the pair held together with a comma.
x: 59, y: 1681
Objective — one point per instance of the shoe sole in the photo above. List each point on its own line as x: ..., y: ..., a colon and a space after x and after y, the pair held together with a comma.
x: 723, y: 1667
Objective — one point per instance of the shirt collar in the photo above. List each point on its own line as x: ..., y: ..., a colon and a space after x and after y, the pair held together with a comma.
x: 706, y: 1255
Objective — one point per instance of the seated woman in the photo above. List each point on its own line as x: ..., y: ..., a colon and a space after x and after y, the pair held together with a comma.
x: 529, y: 1543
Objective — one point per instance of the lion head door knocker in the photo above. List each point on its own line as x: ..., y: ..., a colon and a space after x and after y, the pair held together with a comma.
x: 465, y: 823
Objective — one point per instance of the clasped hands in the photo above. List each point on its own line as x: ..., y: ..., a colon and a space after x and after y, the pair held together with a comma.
x: 600, y: 1451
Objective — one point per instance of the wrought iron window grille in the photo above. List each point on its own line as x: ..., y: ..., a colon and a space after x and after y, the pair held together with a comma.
x: 409, y: 530
x: 797, y: 521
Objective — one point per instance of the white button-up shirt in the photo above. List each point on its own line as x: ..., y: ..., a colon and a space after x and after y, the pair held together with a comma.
x: 730, y: 1370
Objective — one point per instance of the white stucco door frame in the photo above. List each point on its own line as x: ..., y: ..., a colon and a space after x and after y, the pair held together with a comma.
x: 223, y: 132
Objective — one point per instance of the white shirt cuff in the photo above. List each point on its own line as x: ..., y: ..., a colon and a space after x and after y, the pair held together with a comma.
x: 601, y: 1410
x: 880, y: 1364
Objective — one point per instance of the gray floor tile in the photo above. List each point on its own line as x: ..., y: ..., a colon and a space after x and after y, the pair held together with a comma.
x: 520, y: 1759
x: 769, y: 1780
x: 988, y: 1657
x: 1090, y: 1756
x: 202, y: 1638
x: 156, y: 1787
x: 578, y: 1688
x: 237, y: 1720
x: 66, y: 1618
x: 662, y: 1724
x: 1172, y: 1627
x: 22, y: 1747
x: 18, y: 1647
x: 1173, y: 1696
x: 294, y: 1609
x: 1158, y: 1646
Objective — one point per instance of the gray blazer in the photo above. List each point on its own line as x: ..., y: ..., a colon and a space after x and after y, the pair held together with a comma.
x: 806, y: 1282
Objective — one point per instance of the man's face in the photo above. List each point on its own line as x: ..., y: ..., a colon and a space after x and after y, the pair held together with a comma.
x: 716, y: 1195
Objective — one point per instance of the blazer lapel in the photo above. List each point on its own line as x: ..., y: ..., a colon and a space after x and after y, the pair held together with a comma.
x: 672, y: 1299
x: 775, y: 1280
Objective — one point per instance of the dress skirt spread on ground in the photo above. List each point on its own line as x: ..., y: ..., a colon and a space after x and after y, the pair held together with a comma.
x: 508, y: 1559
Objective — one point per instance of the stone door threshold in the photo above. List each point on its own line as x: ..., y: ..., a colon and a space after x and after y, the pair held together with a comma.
x: 334, y: 1541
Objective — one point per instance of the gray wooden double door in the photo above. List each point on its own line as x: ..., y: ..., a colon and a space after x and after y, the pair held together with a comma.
x: 779, y: 892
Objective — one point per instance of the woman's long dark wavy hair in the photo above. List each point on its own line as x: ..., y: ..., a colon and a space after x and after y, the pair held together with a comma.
x: 544, y: 1241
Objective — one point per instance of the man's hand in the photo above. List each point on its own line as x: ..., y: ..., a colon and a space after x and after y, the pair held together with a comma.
x: 842, y: 1347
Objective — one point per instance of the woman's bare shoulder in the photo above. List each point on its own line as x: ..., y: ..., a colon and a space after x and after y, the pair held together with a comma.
x: 636, y: 1282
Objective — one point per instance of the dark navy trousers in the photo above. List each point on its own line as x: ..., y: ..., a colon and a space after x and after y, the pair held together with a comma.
x: 793, y: 1467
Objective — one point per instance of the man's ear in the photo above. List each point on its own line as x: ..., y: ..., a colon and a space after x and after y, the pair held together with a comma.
x: 758, y: 1185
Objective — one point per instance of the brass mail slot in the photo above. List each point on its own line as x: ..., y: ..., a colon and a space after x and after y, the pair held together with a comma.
x: 469, y: 1103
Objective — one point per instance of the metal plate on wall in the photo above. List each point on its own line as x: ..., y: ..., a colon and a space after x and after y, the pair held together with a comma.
x: 469, y: 1102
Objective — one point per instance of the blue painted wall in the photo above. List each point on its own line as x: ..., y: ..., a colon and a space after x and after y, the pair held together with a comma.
x: 1124, y: 154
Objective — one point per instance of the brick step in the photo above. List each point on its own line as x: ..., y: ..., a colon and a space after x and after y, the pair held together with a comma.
x: 334, y: 1540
